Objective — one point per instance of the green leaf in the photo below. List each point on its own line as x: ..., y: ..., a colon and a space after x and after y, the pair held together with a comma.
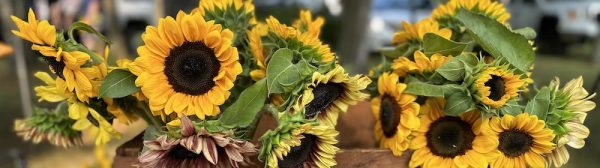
x: 87, y: 28
x: 526, y: 32
x: 432, y: 43
x: 498, y: 40
x: 458, y: 103
x: 244, y: 110
x: 453, y: 70
x: 118, y: 83
x: 282, y: 72
x: 540, y: 104
x: 512, y: 108
x: 425, y: 89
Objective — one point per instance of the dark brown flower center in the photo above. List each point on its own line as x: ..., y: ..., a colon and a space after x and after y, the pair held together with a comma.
x: 191, y: 67
x: 449, y: 137
x: 496, y: 84
x: 299, y: 154
x: 389, y: 115
x: 56, y: 66
x: 93, y: 120
x: 180, y: 152
x: 324, y: 96
x: 514, y: 142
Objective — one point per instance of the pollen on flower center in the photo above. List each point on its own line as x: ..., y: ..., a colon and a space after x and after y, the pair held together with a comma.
x: 180, y: 152
x: 449, y: 137
x: 299, y: 154
x: 191, y: 67
x: 496, y: 84
x: 324, y: 96
x: 389, y: 115
x: 514, y: 142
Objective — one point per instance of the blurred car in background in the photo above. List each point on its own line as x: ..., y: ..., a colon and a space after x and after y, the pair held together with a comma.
x: 558, y: 21
x: 133, y: 16
x: 387, y: 16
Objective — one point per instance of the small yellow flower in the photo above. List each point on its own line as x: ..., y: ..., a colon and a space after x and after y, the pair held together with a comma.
x: 422, y: 64
x: 416, y: 32
x: 306, y: 24
x: 496, y: 86
x: 396, y: 114
x: 329, y: 94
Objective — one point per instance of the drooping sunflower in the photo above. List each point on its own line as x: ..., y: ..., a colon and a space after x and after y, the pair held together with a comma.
x: 300, y: 145
x: 306, y: 23
x: 306, y: 39
x: 569, y: 107
x: 523, y: 140
x: 497, y: 85
x: 489, y: 8
x: 329, y: 94
x: 51, y: 126
x: 422, y: 64
x: 214, y: 6
x: 396, y: 114
x: 195, y: 148
x: 416, y: 32
x: 451, y: 141
x: 255, y: 44
x: 187, y: 65
x: 84, y: 81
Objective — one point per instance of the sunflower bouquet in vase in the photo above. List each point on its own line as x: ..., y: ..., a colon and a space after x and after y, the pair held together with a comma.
x: 201, y: 81
x: 451, y: 92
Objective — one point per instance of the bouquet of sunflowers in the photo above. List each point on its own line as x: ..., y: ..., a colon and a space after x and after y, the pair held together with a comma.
x: 201, y: 81
x: 451, y: 91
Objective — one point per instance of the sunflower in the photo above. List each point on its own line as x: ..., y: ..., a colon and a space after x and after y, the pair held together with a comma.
x: 306, y: 39
x: 416, y: 32
x: 255, y: 44
x: 67, y: 65
x: 51, y: 126
x: 461, y: 141
x: 572, y: 102
x: 55, y: 90
x: 422, y: 64
x: 90, y: 121
x: 301, y: 146
x: 306, y: 23
x: 329, y: 94
x: 195, y: 148
x: 235, y: 15
x: 523, y: 139
x: 37, y: 32
x: 187, y: 65
x: 395, y: 114
x: 212, y: 6
x: 496, y: 85
x: 489, y: 8
x: 87, y: 118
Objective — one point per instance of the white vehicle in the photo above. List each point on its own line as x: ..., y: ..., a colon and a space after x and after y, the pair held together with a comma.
x: 558, y: 20
x: 387, y: 16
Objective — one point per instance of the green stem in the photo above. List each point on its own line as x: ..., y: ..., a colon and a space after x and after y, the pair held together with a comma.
x: 147, y: 115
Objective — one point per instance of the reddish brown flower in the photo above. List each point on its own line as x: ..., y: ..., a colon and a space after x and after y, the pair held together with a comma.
x: 195, y: 148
